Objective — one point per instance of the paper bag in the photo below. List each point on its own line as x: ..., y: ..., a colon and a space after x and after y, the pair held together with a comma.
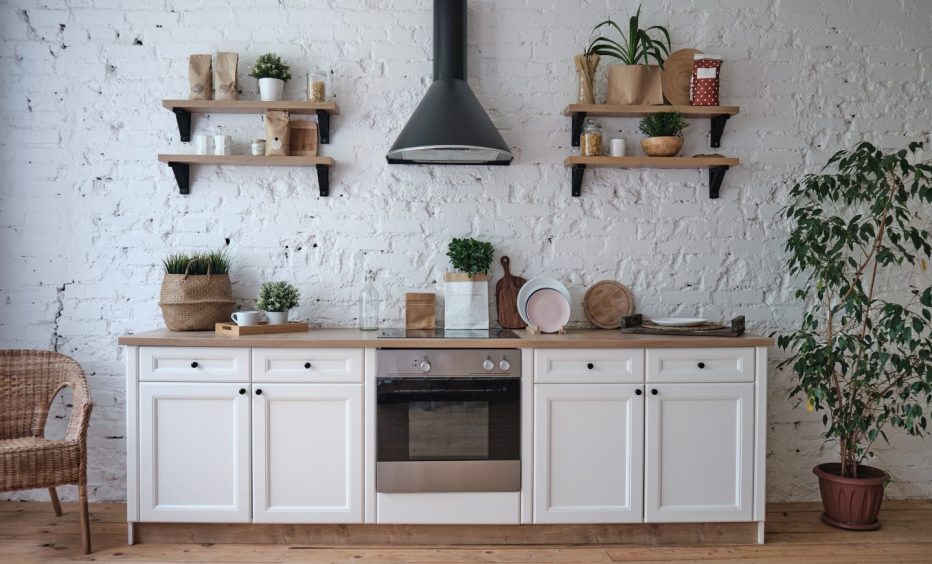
x: 225, y: 76
x: 199, y: 77
x: 635, y: 84
x: 276, y: 133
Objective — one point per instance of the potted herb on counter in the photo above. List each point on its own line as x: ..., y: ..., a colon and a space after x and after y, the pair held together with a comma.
x: 196, y: 291
x: 275, y: 299
x: 862, y: 356
x: 664, y: 134
x: 466, y: 291
x: 272, y: 73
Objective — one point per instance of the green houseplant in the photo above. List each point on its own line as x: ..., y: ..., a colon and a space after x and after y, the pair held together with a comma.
x: 636, y: 80
x: 196, y: 291
x: 466, y: 291
x: 272, y: 73
x: 275, y: 299
x: 663, y: 132
x: 862, y: 355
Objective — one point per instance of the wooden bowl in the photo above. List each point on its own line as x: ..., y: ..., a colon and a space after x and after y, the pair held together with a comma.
x: 662, y: 146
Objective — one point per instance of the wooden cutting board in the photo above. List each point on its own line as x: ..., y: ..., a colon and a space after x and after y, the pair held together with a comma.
x: 506, y: 298
x: 606, y: 302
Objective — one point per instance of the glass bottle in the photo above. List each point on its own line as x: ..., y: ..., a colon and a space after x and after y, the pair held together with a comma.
x: 590, y: 142
x: 369, y: 305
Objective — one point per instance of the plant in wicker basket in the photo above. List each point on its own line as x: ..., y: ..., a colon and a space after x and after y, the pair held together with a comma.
x: 664, y: 133
x: 196, y: 291
x: 275, y: 299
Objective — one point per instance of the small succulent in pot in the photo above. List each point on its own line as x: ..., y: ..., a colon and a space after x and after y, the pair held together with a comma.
x: 275, y: 299
x: 664, y: 133
x: 272, y: 73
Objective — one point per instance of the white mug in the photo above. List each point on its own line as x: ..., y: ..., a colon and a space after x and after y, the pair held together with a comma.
x: 246, y: 318
x: 618, y: 147
x: 223, y: 145
x: 203, y: 144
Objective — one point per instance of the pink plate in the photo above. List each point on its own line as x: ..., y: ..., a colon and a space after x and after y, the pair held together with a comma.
x: 548, y: 309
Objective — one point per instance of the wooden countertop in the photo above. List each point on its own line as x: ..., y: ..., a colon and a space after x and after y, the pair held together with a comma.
x: 354, y: 338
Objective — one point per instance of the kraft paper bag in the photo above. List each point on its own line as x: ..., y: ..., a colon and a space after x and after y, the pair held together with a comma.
x: 276, y: 133
x: 199, y: 77
x: 635, y: 84
x: 225, y: 76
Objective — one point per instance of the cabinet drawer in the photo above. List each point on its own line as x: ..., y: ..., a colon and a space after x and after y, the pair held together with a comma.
x: 307, y: 365
x: 700, y: 365
x: 187, y: 364
x: 588, y: 366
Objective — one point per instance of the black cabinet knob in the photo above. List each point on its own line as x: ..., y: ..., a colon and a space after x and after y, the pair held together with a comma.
x: 307, y: 365
x: 638, y: 392
x: 259, y: 392
x: 590, y: 366
x: 194, y: 364
x: 242, y: 391
x: 701, y: 365
x: 653, y: 392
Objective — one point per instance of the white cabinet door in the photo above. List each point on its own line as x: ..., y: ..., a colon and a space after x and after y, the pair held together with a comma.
x: 700, y: 452
x: 194, y: 452
x: 588, y: 455
x: 307, y: 453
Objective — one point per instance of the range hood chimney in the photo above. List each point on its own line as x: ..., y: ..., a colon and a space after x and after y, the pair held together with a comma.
x: 449, y: 126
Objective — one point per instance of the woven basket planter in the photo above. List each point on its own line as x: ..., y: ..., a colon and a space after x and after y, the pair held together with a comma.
x: 196, y: 302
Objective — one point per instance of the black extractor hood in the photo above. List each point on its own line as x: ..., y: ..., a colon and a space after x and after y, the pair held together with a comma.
x: 449, y: 126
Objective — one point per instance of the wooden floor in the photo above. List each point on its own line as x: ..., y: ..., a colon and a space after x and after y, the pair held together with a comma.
x: 29, y: 532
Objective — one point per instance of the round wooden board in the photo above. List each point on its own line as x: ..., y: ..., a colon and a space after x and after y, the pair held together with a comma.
x: 606, y: 302
x: 676, y: 76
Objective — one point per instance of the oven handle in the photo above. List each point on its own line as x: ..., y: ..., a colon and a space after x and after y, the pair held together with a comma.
x: 423, y: 392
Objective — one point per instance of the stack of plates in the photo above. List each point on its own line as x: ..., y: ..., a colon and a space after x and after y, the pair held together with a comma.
x: 544, y: 302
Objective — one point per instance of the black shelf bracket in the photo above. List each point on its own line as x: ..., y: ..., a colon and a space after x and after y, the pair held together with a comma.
x: 718, y: 127
x: 716, y: 175
x: 184, y: 123
x: 578, y: 120
x: 578, y: 171
x: 323, y: 180
x: 323, y: 125
x: 182, y: 176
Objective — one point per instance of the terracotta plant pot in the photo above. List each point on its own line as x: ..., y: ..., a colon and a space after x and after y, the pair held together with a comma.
x: 662, y: 146
x: 851, y: 503
x: 634, y: 84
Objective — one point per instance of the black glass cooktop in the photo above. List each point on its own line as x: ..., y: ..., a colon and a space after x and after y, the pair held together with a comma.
x: 401, y: 333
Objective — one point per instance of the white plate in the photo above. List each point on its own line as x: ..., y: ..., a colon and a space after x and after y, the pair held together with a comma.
x: 678, y: 321
x: 535, y: 284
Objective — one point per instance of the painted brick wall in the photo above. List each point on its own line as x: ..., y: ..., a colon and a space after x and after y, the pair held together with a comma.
x: 87, y: 212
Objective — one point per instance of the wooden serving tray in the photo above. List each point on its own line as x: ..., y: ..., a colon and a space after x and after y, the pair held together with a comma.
x: 234, y: 330
x: 632, y: 324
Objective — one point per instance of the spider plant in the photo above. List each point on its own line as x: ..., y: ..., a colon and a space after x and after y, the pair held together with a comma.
x: 635, y: 48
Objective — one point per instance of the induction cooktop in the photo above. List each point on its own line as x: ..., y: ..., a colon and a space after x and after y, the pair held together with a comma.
x: 402, y: 333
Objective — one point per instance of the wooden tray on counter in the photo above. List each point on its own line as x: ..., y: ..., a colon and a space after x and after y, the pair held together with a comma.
x: 632, y: 324
x: 234, y: 330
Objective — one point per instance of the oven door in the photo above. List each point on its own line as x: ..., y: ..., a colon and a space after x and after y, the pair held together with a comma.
x: 448, y: 435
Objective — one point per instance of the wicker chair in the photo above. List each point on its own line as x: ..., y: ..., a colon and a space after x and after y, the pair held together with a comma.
x: 29, y: 381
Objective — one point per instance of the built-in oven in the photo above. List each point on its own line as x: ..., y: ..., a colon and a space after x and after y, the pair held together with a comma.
x: 448, y: 420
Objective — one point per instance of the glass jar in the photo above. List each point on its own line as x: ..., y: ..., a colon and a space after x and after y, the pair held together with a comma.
x: 318, y: 83
x: 257, y: 148
x: 590, y: 142
x: 369, y: 305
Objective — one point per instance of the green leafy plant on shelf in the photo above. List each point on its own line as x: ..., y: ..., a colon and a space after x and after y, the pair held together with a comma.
x: 212, y: 262
x: 277, y: 296
x: 637, y: 47
x: 270, y: 65
x: 862, y: 355
x: 663, y: 124
x: 471, y: 256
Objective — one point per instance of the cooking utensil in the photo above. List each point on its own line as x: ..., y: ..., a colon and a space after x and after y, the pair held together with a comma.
x: 535, y: 284
x: 506, y: 298
x: 548, y: 309
x: 606, y: 302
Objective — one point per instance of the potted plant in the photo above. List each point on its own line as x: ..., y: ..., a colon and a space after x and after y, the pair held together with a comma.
x: 275, y: 299
x: 663, y: 132
x: 636, y: 81
x: 466, y: 291
x: 196, y: 292
x: 272, y: 73
x: 861, y: 355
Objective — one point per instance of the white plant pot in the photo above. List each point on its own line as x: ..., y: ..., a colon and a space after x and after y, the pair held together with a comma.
x: 465, y: 301
x: 276, y: 317
x: 270, y: 89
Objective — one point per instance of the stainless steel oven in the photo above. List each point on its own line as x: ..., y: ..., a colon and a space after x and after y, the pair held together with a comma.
x: 448, y: 420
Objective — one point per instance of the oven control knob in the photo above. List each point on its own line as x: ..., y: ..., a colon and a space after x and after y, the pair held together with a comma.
x: 504, y: 365
x: 488, y: 364
x: 425, y: 366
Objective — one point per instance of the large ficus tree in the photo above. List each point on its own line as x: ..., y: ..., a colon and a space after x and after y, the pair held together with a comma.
x: 862, y: 355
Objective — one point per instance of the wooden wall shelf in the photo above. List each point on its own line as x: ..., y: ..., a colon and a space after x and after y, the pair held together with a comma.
x: 184, y: 108
x: 717, y: 114
x: 717, y: 167
x: 181, y: 166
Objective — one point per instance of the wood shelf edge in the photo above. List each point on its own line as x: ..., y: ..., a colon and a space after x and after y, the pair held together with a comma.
x: 247, y: 160
x: 249, y: 106
x: 652, y: 162
x: 609, y: 110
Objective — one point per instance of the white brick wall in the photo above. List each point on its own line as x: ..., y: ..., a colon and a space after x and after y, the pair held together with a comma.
x: 87, y: 212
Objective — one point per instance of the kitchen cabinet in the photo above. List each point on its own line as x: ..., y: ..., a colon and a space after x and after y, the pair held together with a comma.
x: 588, y: 453
x: 699, y: 443
x: 194, y: 452
x: 307, y: 453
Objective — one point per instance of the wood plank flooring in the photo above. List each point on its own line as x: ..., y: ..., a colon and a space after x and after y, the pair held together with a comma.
x: 30, y: 532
